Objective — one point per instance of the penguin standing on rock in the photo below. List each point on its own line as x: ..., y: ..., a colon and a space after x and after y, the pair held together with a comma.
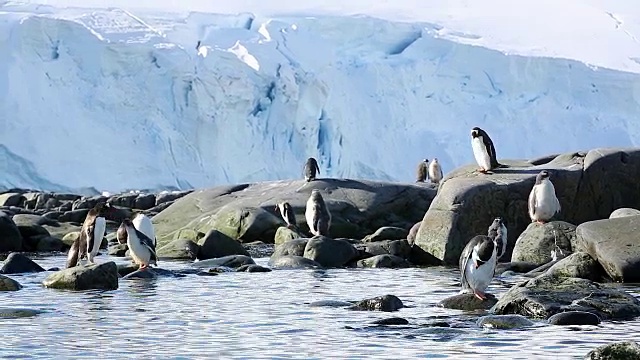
x: 484, y: 151
x: 317, y: 214
x: 310, y: 168
x: 423, y: 171
x: 142, y: 248
x: 142, y: 223
x: 88, y: 242
x: 286, y: 211
x: 543, y: 202
x: 477, y: 265
x: 435, y: 171
x: 498, y: 232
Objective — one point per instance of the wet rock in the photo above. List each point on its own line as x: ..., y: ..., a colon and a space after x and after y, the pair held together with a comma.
x: 624, y: 212
x: 535, y: 244
x: 615, y: 244
x: 545, y: 296
x: 10, y: 237
x: 118, y: 250
x: 11, y: 199
x: 468, y: 302
x: 391, y: 321
x: 75, y: 216
x: 387, y: 303
x: 574, y: 318
x: 284, y: 234
x: 627, y: 350
x: 504, y: 322
x: 422, y: 258
x: 259, y: 249
x: 98, y: 276
x: 232, y: 261
x: 126, y: 269
x: 18, y: 313
x: 17, y: 263
x: 411, y: 238
x: 330, y: 303
x: 329, y: 252
x: 384, y: 261
x: 577, y: 265
x: 71, y: 237
x: 292, y: 262
x: 62, y: 230
x: 216, y: 245
x: 144, y: 201
x: 141, y: 274
x: 179, y: 249
x: 400, y: 248
x: 386, y: 233
x: 515, y: 266
x: 8, y: 284
x: 49, y: 243
x: 292, y: 247
x: 252, y: 268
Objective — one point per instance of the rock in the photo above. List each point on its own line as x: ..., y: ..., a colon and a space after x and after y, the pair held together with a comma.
x: 144, y: 201
x: 535, y: 244
x: 468, y: 302
x: 232, y: 261
x: 577, y: 265
x: 284, y: 234
x: 31, y: 220
x: 170, y: 196
x: 357, y: 208
x: 11, y: 199
x: 18, y: 313
x: 62, y: 230
x: 52, y: 215
x: 126, y: 269
x: 615, y: 244
x: 118, y: 250
x: 391, y: 321
x: 141, y: 274
x: 75, y: 216
x: 71, y: 237
x: 411, y: 238
x: 88, y: 202
x: 292, y: 262
x: 504, y: 322
x: 385, y: 303
x: 329, y: 252
x: 179, y: 249
x: 17, y: 263
x: 623, y: 212
x: 216, y: 245
x: 589, y: 186
x: 544, y: 296
x: 97, y: 276
x: 8, y: 284
x: 386, y: 233
x: 330, y: 303
x: 10, y: 237
x: 574, y: 318
x: 400, y: 248
x: 258, y: 249
x: 292, y: 247
x: 627, y: 350
x: 515, y: 266
x: 422, y: 258
x: 252, y: 268
x: 384, y: 261
x: 47, y: 243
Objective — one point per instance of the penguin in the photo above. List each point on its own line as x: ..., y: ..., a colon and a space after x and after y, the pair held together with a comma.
x: 435, y: 171
x: 543, y: 202
x: 141, y: 247
x: 121, y: 234
x: 286, y: 211
x: 422, y: 171
x: 143, y: 224
x: 91, y: 234
x: 498, y: 232
x: 317, y: 214
x: 310, y: 168
x: 477, y: 265
x: 484, y: 151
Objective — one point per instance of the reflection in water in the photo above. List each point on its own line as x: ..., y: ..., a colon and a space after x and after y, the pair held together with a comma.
x: 266, y: 315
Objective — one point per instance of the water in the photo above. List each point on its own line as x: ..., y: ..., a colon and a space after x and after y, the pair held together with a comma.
x: 267, y: 315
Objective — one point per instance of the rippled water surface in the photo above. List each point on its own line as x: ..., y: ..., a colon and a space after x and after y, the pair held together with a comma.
x: 267, y: 315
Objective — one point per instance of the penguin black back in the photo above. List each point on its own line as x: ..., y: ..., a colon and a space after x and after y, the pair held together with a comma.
x: 488, y: 143
x: 310, y: 169
x: 421, y: 172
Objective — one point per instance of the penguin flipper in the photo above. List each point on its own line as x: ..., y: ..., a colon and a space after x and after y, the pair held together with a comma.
x: 72, y: 256
x: 532, y: 203
x: 89, y: 236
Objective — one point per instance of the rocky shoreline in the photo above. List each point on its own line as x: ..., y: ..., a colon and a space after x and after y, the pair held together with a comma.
x: 570, y: 267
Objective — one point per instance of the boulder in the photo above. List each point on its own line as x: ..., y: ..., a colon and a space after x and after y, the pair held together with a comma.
x: 71, y: 237
x: 627, y: 350
x: 589, y: 186
x: 216, y: 244
x: 615, y: 244
x: 400, y: 248
x: 8, y: 284
x: 31, y: 220
x: 252, y: 268
x: 537, y: 242
x: 232, y: 261
x: 11, y: 199
x: 97, y: 276
x: 384, y: 261
x: 292, y: 247
x: 545, y: 296
x: 10, y: 237
x: 385, y: 303
x: 47, y: 243
x: 75, y: 216
x: 577, y: 265
x: 622, y: 212
x: 468, y: 302
x: 259, y: 249
x: 166, y: 196
x: 284, y: 234
x: 179, y: 249
x: 144, y: 201
x: 574, y: 318
x: 386, y: 233
x: 504, y: 322
x: 329, y: 252
x: 117, y: 250
x: 17, y: 263
x: 246, y: 212
x: 293, y: 262
x: 411, y: 238
x: 62, y: 230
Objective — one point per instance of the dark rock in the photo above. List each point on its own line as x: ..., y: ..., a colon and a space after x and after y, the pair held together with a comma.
x: 52, y: 215
x: 11, y: 199
x: 10, y: 237
x: 422, y: 258
x: 47, y: 243
x: 179, y: 249
x: 292, y: 247
x: 170, y: 196
x: 615, y: 244
x: 329, y: 252
x: 284, y: 234
x: 577, y: 265
x: 386, y: 233
x: 252, y: 268
x: 232, y: 261
x: 574, y: 318
x: 400, y: 248
x: 292, y: 262
x: 76, y: 216
x: 504, y: 322
x: 411, y: 238
x: 126, y: 269
x: 17, y: 263
x: 391, y: 321
x: 88, y: 203
x: 544, y: 296
x: 535, y: 244
x: 468, y: 302
x: 144, y: 201
x: 18, y: 313
x: 330, y: 303
x: 259, y: 249
x: 54, y: 269
x: 118, y: 250
x: 216, y: 244
x: 98, y: 276
x: 384, y: 261
x: 515, y: 266
x: 385, y: 303
x: 628, y: 350
x: 141, y: 274
x: 624, y: 212
x: 124, y: 200
x: 8, y: 284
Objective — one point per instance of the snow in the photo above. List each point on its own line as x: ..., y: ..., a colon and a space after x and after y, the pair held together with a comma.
x: 117, y: 96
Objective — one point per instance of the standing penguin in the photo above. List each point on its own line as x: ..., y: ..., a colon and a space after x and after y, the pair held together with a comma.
x: 286, y: 211
x: 88, y: 242
x: 310, y: 168
x: 498, y: 232
x: 317, y: 214
x: 142, y: 248
x: 142, y: 223
x: 422, y: 171
x: 477, y: 265
x: 543, y: 202
x: 483, y: 150
x: 435, y: 171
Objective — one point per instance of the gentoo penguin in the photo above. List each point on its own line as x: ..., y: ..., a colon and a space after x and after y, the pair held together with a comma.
x: 317, y: 214
x: 142, y: 223
x: 286, y: 211
x: 91, y: 234
x: 310, y: 168
x: 543, y: 202
x: 477, y: 265
x: 435, y: 171
x: 498, y: 232
x: 422, y: 170
x: 483, y: 150
x: 141, y: 247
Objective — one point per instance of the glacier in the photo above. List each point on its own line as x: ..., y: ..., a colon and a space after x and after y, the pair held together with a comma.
x: 119, y: 98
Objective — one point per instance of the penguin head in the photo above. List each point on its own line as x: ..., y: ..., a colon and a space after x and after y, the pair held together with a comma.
x: 542, y: 175
x: 483, y: 252
x: 475, y: 132
x: 425, y: 160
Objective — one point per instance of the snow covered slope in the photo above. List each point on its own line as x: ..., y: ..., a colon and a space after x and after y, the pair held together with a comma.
x: 120, y: 97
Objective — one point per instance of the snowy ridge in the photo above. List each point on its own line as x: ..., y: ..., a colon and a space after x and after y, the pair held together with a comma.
x: 119, y: 99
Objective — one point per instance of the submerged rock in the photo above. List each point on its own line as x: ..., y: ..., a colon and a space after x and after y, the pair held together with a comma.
x: 293, y: 262
x: 252, y: 268
x: 627, y: 350
x: 17, y: 263
x: 384, y: 261
x: 574, y: 318
x: 387, y: 303
x: 537, y: 242
x: 468, y: 302
x: 8, y: 284
x: 98, y: 276
x: 232, y: 261
x: 391, y: 321
x: 504, y: 322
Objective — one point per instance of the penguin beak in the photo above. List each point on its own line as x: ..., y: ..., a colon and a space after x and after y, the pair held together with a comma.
x: 476, y: 264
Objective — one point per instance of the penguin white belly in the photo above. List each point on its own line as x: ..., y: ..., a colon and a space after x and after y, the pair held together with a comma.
x: 143, y: 224
x: 480, y: 278
x: 546, y: 202
x: 435, y: 174
x: 99, y: 228
x: 139, y: 253
x: 481, y: 154
x: 308, y: 215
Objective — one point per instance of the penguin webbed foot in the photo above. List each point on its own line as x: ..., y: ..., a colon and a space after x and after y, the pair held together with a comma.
x: 480, y: 295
